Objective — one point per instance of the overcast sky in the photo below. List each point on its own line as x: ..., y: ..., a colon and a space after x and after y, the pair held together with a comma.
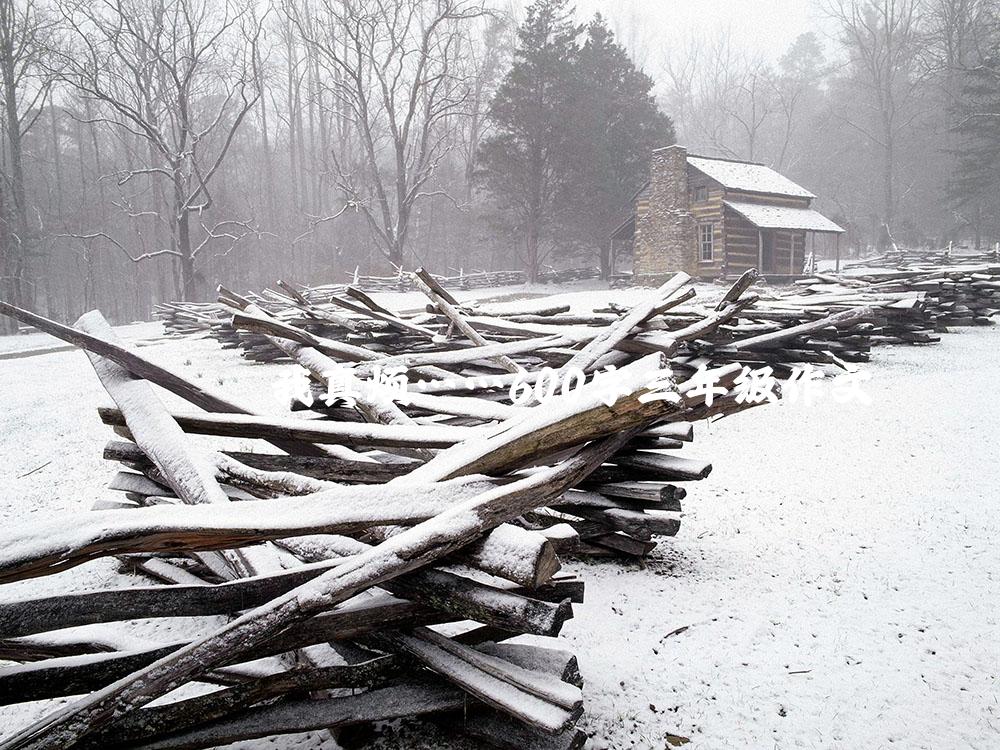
x: 649, y: 26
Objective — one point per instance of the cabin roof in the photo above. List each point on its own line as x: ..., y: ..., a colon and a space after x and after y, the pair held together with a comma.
x: 747, y: 176
x: 625, y: 230
x: 782, y: 217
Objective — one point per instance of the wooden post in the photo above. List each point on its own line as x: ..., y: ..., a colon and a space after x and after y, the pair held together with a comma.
x: 837, y: 269
x: 760, y: 250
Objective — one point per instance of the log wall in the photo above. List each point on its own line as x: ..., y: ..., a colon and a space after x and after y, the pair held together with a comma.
x: 742, y: 242
x: 705, y: 211
x: 657, y: 245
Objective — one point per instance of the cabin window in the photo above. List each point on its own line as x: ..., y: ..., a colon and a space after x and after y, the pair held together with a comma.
x: 701, y: 193
x: 706, y: 239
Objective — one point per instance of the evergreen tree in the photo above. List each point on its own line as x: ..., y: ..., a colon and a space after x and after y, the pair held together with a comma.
x: 615, y: 126
x: 523, y: 164
x: 573, y: 130
x: 975, y: 187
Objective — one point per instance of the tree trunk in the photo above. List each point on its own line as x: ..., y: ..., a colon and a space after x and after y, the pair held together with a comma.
x: 534, y: 212
x: 888, y: 173
x: 395, y: 254
x: 7, y: 287
x: 188, y: 279
x: 17, y: 237
x: 532, y: 248
x: 290, y: 99
x: 978, y: 227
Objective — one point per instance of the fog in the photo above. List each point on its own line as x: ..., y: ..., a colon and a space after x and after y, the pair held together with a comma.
x: 153, y: 149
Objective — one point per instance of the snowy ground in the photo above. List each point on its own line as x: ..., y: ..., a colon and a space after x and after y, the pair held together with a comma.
x: 837, y: 574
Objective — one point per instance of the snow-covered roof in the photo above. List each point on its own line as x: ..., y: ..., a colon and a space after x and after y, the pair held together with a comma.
x: 781, y: 217
x: 753, y: 178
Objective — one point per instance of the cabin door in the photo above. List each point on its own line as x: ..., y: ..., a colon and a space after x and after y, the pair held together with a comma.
x: 766, y: 251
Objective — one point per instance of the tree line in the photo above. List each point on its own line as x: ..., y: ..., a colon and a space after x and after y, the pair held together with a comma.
x: 894, y: 126
x: 154, y: 148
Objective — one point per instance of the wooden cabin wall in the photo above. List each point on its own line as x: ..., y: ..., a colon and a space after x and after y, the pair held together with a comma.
x: 799, y: 251
x: 782, y: 253
x: 735, y: 238
x: 705, y: 211
x: 742, y: 245
x: 743, y: 249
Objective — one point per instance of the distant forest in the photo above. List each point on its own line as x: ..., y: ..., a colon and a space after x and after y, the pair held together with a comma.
x: 152, y: 149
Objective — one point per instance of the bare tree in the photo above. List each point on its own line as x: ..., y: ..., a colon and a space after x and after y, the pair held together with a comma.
x: 798, y: 82
x: 175, y: 76
x: 485, y: 57
x: 722, y: 97
x: 883, y: 42
x: 680, y: 79
x: 391, y: 70
x: 958, y: 31
x: 25, y: 51
x: 749, y: 102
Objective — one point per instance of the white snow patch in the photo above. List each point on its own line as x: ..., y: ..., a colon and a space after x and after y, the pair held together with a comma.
x: 836, y: 572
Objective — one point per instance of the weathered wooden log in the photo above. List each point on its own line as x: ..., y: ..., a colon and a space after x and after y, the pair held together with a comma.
x: 313, y: 311
x: 660, y: 494
x: 537, y: 699
x: 43, y: 548
x: 497, y: 729
x: 699, y: 328
x: 616, y: 545
x: 447, y: 305
x: 563, y: 423
x: 772, y: 340
x: 666, y: 467
x: 73, y: 675
x: 293, y: 716
x: 642, y: 525
x: 683, y: 431
x: 313, y: 430
x: 185, y: 471
x: 463, y: 355
x: 744, y: 282
x: 587, y: 498
x: 166, y: 722
x: 457, y: 595
x: 508, y: 551
x: 370, y: 309
x: 310, y: 352
x: 329, y: 468
x: 606, y: 340
x: 257, y: 321
x: 407, y: 551
x: 170, y: 719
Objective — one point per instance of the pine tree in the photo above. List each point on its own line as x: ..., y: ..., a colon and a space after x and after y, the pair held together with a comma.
x: 523, y: 164
x: 615, y: 126
x: 573, y: 130
x: 974, y: 190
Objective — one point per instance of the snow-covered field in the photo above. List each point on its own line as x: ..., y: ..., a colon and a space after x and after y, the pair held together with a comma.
x: 835, y: 582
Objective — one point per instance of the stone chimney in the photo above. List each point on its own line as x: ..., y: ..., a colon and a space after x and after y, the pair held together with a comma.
x: 665, y: 239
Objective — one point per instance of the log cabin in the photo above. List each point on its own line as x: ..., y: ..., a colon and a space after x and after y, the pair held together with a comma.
x: 716, y: 218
